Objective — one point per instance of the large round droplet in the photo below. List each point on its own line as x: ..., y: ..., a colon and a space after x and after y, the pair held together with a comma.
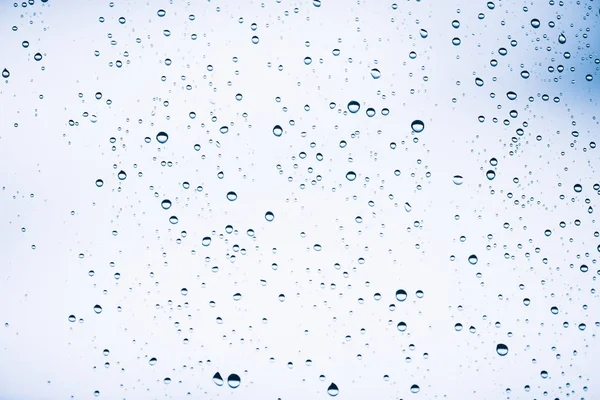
x: 353, y: 107
x: 122, y: 175
x: 162, y: 137
x: 501, y: 349
x: 458, y: 180
x: 415, y: 389
x: 5, y: 73
x: 490, y: 175
x: 99, y: 182
x: 269, y: 216
x: 206, y: 241
x: 351, y: 175
x: 231, y: 196
x: 535, y: 23
x: 401, y: 326
x: 165, y: 204
x: 401, y: 295
x: 152, y: 361
x: 473, y: 259
x: 417, y: 125
x: 375, y: 73
x: 511, y: 95
x: 97, y: 309
x: 577, y: 188
x: 218, y: 379
x: 233, y: 381
x: 277, y: 130
x: 333, y: 390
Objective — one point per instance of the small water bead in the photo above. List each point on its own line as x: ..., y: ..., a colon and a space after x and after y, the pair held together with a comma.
x: 25, y: 44
x: 385, y: 111
x: 231, y: 196
x: 5, y: 73
x: 401, y: 295
x: 493, y: 162
x: 490, y: 175
x: 562, y: 39
x: 402, y: 326
x: 535, y: 23
x: 455, y: 24
x: 501, y: 349
x: 224, y: 130
x: 351, y: 175
x: 417, y: 126
x: 502, y: 51
x: 277, y: 130
x: 97, y: 309
x: 511, y: 95
x: 37, y: 57
x: 122, y: 20
x: 72, y: 318
x: 152, y: 361
x: 473, y: 259
x: 333, y: 390
x: 479, y: 82
x: 122, y: 175
x: 554, y: 310
x: 375, y: 73
x: 99, y: 182
x: 525, y: 74
x: 173, y: 219
x: 161, y: 13
x: 255, y: 39
x: 456, y: 41
x: 415, y: 389
x: 335, y: 52
x: 206, y: 241
x: 269, y: 216
x: 353, y: 106
x: 423, y: 33
x: 458, y: 180
x: 162, y: 137
x: 577, y: 188
x: 307, y: 60
x: 370, y: 112
x: 589, y: 77
x: 218, y: 379
x: 412, y: 55
x: 234, y: 381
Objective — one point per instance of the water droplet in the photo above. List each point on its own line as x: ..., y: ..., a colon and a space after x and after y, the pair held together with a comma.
x: 161, y: 13
x: 233, y: 381
x: 152, y: 361
x: 458, y: 180
x: 577, y: 188
x: 415, y: 389
x: 231, y: 196
x: 72, y: 318
x: 562, y: 39
x: 473, y: 259
x: 501, y: 349
x: 353, y: 106
x: 25, y: 44
x: 490, y: 174
x: 277, y: 130
x: 269, y: 216
x: 333, y: 390
x: 122, y: 20
x: 99, y: 182
x: 589, y: 77
x: 417, y: 125
x: 206, y: 241
x: 97, y: 309
x: 401, y: 326
x: 407, y: 207
x: 370, y: 112
x: 554, y: 310
x: 401, y: 295
x: 237, y: 296
x: 173, y: 219
x: 218, y: 379
x: 162, y: 137
x: 479, y: 82
x: 535, y: 23
x: 165, y: 204
x: 456, y: 41
x: 255, y: 39
x: 122, y: 175
x: 511, y: 95
x: 525, y: 74
x: 375, y: 73
x: 37, y: 57
x: 423, y: 33
x: 317, y: 3
x: 5, y: 73
x: 167, y: 380
x: 224, y: 130
x: 307, y: 60
x: 351, y: 175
